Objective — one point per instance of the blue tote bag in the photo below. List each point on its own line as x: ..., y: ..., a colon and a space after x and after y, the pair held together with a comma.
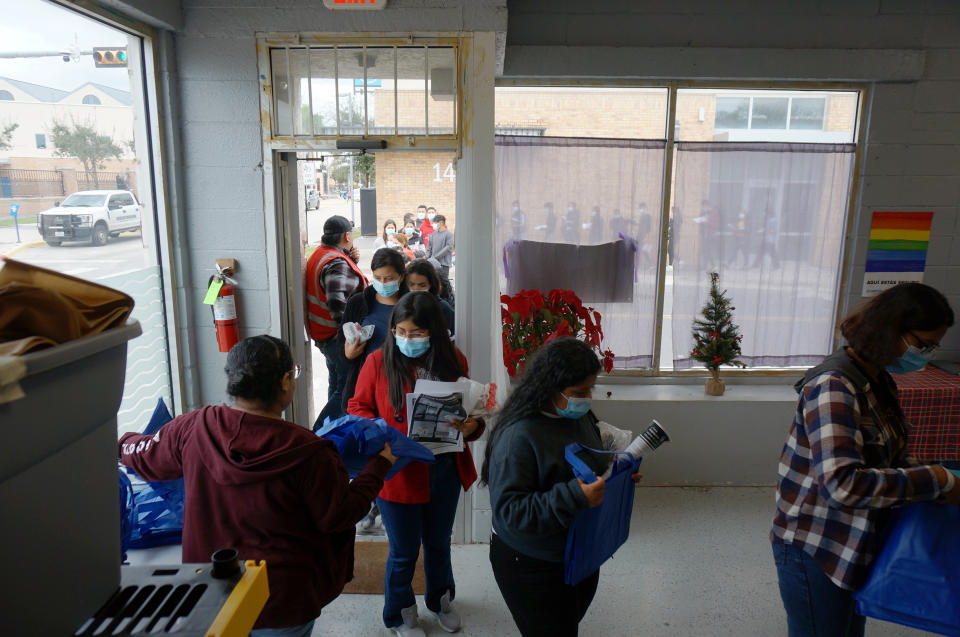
x: 359, y: 439
x: 596, y: 534
x: 915, y: 579
x: 151, y: 512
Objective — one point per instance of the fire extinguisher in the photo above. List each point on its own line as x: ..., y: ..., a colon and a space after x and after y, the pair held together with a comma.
x: 225, y: 311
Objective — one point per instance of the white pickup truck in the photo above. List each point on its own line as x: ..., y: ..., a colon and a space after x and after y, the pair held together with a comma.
x: 90, y: 215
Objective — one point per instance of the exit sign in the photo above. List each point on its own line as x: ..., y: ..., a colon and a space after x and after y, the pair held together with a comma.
x: 355, y: 4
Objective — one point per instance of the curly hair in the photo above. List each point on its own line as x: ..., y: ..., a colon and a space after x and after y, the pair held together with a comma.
x: 875, y: 329
x: 255, y: 366
x: 557, y: 365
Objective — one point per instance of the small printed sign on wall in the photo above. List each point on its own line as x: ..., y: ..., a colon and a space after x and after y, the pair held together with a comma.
x: 897, y: 251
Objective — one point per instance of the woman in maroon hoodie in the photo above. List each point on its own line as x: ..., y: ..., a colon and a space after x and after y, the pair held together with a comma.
x: 264, y: 486
x: 418, y: 505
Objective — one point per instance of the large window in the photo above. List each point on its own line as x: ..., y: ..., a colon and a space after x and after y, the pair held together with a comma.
x: 62, y: 226
x: 758, y: 191
x: 359, y: 90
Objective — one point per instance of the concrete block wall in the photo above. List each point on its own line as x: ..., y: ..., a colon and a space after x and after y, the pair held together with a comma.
x: 223, y: 209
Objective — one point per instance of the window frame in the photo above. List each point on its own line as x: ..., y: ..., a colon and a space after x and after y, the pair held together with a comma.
x: 655, y: 373
x: 267, y: 41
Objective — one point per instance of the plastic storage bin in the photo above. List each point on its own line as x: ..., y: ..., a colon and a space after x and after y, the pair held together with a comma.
x: 60, y: 529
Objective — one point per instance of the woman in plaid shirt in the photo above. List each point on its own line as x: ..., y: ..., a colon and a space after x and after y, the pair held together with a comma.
x: 845, y: 465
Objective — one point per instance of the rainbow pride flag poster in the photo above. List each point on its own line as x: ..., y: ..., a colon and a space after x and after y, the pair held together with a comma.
x: 897, y: 251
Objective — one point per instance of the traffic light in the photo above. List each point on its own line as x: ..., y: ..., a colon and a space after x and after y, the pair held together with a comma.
x: 109, y: 56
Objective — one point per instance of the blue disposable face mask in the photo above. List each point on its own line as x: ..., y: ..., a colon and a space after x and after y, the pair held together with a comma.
x: 387, y: 289
x: 421, y: 215
x: 389, y: 231
x: 911, y: 360
x: 576, y: 407
x: 413, y: 347
x: 408, y: 232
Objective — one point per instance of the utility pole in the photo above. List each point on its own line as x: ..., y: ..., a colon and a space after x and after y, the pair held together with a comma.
x: 350, y: 190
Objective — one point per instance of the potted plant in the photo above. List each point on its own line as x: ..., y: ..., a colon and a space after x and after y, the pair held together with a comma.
x: 716, y: 338
x: 531, y: 319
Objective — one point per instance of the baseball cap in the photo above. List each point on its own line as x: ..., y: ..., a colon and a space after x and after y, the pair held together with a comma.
x: 337, y: 225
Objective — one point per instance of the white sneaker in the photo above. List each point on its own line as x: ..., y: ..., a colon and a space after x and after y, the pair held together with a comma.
x: 409, y: 627
x: 448, y: 618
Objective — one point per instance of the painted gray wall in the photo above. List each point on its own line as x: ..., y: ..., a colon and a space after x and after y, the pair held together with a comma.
x: 221, y: 161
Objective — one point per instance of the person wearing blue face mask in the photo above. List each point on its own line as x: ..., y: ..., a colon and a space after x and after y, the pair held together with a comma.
x: 845, y: 463
x: 372, y: 306
x: 533, y: 491
x: 418, y: 505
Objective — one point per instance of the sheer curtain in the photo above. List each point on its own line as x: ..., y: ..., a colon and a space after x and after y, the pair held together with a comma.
x: 580, y: 203
x: 771, y: 219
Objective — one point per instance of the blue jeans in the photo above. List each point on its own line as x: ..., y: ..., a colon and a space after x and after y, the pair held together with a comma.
x: 816, y: 607
x: 292, y: 631
x: 409, y: 525
x: 337, y: 371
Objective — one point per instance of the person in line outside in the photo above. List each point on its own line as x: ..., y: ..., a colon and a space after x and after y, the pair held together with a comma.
x: 423, y: 277
x: 426, y: 229
x: 264, y: 486
x: 570, y: 224
x: 518, y: 222
x: 533, y: 491
x: 413, y: 235
x: 389, y: 229
x: 441, y: 246
x: 418, y: 505
x: 332, y: 276
x: 845, y: 465
x: 399, y: 243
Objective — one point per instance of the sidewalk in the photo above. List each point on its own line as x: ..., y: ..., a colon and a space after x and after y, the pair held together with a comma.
x: 29, y: 236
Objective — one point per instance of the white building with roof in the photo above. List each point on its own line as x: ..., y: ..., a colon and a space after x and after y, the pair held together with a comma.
x: 34, y: 108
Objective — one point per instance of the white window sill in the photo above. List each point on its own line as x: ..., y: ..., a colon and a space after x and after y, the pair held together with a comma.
x: 662, y: 392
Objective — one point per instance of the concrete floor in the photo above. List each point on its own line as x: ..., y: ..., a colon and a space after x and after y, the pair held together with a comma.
x: 697, y: 563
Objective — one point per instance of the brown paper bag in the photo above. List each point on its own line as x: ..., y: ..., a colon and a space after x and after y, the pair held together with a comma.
x: 41, y: 308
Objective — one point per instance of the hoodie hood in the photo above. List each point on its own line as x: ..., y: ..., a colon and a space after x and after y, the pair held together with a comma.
x: 240, y: 448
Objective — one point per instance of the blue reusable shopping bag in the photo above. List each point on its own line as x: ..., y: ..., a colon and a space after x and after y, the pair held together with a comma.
x: 358, y: 439
x: 915, y: 579
x: 596, y: 534
x: 151, y: 512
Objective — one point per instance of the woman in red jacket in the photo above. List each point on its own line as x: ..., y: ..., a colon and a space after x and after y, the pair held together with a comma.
x: 419, y: 504
x: 264, y: 486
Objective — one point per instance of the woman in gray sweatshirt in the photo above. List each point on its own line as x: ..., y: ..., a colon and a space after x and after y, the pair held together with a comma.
x: 533, y: 491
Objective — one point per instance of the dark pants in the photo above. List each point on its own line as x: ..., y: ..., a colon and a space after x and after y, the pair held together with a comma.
x: 816, y: 607
x: 541, y: 604
x: 445, y: 272
x: 337, y: 370
x: 409, y: 525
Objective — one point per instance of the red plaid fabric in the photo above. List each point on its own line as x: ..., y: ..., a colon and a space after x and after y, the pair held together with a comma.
x: 930, y: 400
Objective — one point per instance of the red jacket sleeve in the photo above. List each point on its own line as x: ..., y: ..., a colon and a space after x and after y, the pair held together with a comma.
x: 156, y: 457
x: 364, y: 400
x: 337, y: 503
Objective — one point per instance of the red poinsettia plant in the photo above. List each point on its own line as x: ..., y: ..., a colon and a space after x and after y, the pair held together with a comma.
x: 531, y: 319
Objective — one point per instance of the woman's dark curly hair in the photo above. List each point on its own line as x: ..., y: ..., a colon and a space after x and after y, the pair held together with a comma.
x: 557, y: 365
x: 255, y: 366
x: 876, y: 328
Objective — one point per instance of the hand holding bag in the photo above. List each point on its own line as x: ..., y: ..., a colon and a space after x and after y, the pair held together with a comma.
x: 915, y: 579
x: 596, y: 534
x: 358, y: 439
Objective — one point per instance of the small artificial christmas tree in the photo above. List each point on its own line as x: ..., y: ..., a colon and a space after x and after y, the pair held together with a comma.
x: 716, y: 338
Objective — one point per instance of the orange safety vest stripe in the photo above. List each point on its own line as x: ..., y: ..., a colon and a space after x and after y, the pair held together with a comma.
x: 320, y: 322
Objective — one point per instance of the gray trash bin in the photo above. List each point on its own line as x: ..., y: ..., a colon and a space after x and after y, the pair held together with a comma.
x: 59, y: 502
x: 368, y: 213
